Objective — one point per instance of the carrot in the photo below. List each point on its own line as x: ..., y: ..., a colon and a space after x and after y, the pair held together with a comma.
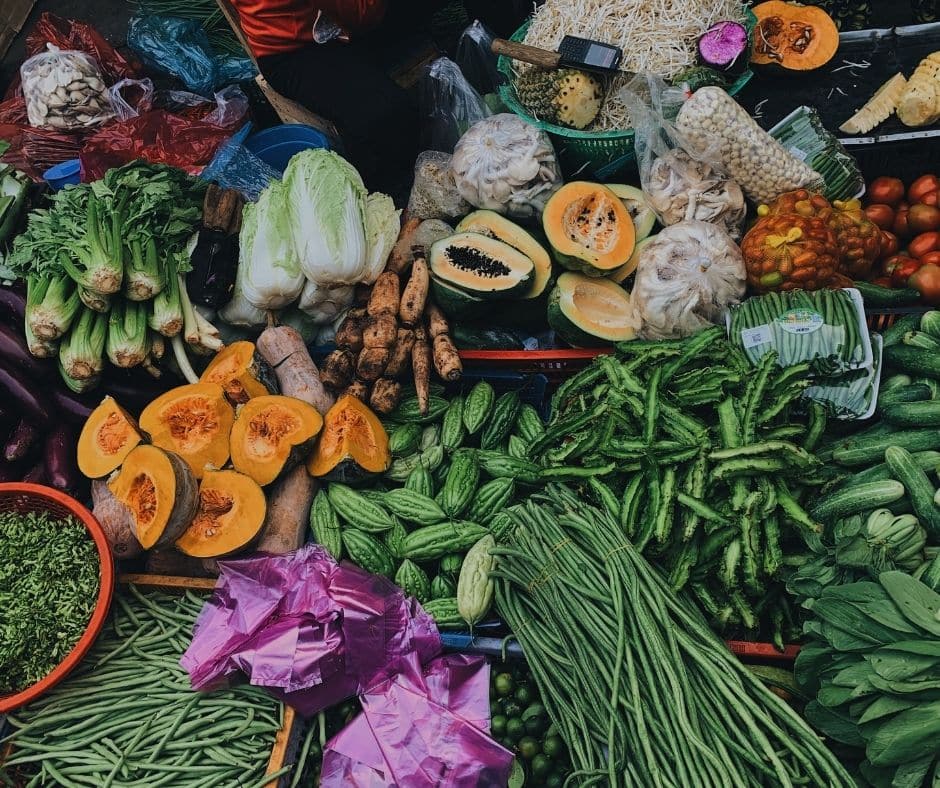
x: 284, y: 349
x: 421, y: 368
x: 385, y: 295
x: 416, y: 293
x: 401, y: 256
x: 288, y: 515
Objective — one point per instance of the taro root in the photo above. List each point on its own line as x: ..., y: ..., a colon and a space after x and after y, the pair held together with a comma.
x: 288, y: 515
x: 109, y: 435
x: 241, y: 372
x: 272, y: 434
x: 230, y: 513
x: 160, y: 490
x: 194, y: 422
x: 353, y: 444
x: 116, y: 520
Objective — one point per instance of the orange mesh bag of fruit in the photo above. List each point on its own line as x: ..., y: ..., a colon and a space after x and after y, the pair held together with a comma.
x: 791, y: 252
x: 859, y: 239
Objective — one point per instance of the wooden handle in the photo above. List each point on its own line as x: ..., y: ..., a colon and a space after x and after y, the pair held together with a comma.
x: 525, y: 53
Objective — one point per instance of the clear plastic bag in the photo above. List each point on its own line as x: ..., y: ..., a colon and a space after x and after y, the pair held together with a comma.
x: 236, y: 167
x: 681, y: 184
x: 434, y: 193
x: 63, y: 89
x: 175, y: 46
x: 130, y: 97
x: 449, y: 104
x: 476, y: 59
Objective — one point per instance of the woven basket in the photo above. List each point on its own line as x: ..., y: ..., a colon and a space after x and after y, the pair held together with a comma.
x: 602, y: 153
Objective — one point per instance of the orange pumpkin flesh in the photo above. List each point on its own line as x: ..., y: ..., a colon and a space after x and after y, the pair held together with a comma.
x: 110, y: 433
x: 794, y: 37
x: 241, y: 372
x: 352, y: 445
x: 230, y: 513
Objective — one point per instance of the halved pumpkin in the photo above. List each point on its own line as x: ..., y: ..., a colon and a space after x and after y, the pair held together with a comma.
x: 483, y: 266
x: 493, y: 225
x: 353, y: 444
x: 241, y: 372
x: 109, y: 435
x: 230, y: 513
x: 589, y: 228
x: 792, y: 36
x: 160, y: 490
x: 194, y: 421
x: 589, y: 312
x: 642, y: 213
x: 272, y: 434
x: 620, y: 275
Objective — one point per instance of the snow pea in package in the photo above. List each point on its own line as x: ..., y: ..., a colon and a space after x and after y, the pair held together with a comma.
x: 825, y: 328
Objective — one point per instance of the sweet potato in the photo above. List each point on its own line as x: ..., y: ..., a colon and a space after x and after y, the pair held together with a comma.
x: 400, y: 362
x: 416, y: 293
x: 338, y: 369
x: 385, y: 295
x: 386, y: 394
x: 284, y: 349
x: 401, y: 256
x: 372, y: 363
x: 116, y: 521
x: 380, y: 331
x: 447, y: 361
x: 358, y: 389
x: 421, y: 368
x: 288, y: 515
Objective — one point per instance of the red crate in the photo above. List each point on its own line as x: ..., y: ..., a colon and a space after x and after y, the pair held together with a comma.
x: 556, y: 365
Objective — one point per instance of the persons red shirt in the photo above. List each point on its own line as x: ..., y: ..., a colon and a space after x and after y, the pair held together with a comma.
x: 274, y: 26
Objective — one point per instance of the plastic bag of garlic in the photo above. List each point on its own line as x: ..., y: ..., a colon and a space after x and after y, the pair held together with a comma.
x: 63, y: 89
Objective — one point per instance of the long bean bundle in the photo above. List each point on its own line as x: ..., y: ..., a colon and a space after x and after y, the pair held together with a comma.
x: 126, y: 715
x: 642, y: 691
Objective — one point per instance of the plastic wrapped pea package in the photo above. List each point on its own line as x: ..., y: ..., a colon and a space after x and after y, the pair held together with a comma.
x: 63, y: 89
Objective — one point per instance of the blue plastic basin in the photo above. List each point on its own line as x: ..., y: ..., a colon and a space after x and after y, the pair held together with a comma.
x: 277, y: 145
x: 63, y: 174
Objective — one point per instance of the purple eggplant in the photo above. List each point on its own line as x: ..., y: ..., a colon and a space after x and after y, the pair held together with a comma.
x: 71, y: 407
x: 36, y: 474
x: 22, y: 394
x: 21, y: 440
x: 11, y: 472
x: 15, y: 353
x: 60, y: 458
x: 12, y: 306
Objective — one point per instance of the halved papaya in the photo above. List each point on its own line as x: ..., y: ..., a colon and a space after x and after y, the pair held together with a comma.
x: 109, y: 435
x: 589, y: 228
x: 353, y: 444
x: 482, y: 266
x: 241, y: 372
x: 272, y: 434
x: 624, y: 272
x: 590, y: 312
x: 230, y: 513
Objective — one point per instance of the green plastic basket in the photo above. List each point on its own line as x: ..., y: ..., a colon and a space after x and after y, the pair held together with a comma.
x: 602, y: 153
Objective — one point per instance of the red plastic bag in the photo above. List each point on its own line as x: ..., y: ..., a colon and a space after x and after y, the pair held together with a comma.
x: 73, y: 34
x: 34, y: 151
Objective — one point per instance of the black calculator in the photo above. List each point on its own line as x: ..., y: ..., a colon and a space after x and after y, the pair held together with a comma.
x: 589, y: 55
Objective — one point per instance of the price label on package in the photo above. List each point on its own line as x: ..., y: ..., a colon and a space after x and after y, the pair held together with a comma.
x: 759, y: 335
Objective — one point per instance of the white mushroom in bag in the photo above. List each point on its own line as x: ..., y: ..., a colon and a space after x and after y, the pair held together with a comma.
x: 503, y: 164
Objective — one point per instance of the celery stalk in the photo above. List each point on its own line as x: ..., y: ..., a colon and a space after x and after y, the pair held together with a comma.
x: 81, y: 351
x: 127, y: 344
x: 52, y: 304
x: 103, y: 266
x: 182, y: 360
x: 41, y: 348
x: 143, y: 278
x: 97, y: 302
x: 78, y: 386
x: 167, y: 317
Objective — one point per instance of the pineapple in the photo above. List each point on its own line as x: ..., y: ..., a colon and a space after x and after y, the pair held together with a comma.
x: 919, y: 105
x: 878, y: 108
x: 566, y: 96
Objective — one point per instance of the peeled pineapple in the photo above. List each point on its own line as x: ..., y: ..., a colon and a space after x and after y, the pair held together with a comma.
x: 565, y: 96
x: 920, y: 103
x: 878, y: 108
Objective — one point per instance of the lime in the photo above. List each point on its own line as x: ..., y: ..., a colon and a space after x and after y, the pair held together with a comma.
x: 554, y: 780
x: 504, y: 685
x: 529, y: 748
x: 508, y: 743
x: 517, y: 775
x: 540, y: 766
x: 512, y: 709
x: 553, y: 747
x: 515, y: 728
x: 523, y: 695
x: 498, y: 726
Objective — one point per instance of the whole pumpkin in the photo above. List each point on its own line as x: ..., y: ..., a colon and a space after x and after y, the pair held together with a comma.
x: 790, y: 252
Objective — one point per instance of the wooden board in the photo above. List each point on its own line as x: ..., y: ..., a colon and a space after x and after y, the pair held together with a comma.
x: 13, y: 14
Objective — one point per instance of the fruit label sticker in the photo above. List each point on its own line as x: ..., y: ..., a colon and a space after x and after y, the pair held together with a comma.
x: 801, y: 321
x: 758, y: 335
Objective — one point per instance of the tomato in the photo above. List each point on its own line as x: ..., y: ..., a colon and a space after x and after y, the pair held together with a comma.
x: 889, y: 191
x: 904, y: 271
x: 889, y: 244
x: 931, y: 198
x: 880, y: 214
x: 923, y: 218
x: 931, y: 258
x: 900, y: 228
x: 924, y: 243
x: 926, y: 281
x: 920, y: 187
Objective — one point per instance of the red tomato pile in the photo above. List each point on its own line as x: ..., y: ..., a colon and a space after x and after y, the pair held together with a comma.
x: 909, y: 219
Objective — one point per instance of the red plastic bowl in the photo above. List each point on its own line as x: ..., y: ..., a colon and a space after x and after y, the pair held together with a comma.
x: 21, y: 497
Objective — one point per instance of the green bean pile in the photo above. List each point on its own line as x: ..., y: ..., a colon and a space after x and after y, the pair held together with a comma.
x: 641, y: 690
x: 127, y: 716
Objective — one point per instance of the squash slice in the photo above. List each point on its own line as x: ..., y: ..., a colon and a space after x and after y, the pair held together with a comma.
x: 241, y: 372
x: 642, y: 213
x: 193, y: 421
x: 271, y: 435
x: 624, y: 272
x: 792, y: 36
x: 109, y: 435
x: 230, y: 513
x: 353, y: 444
x: 587, y: 312
x: 589, y: 228
x: 160, y: 490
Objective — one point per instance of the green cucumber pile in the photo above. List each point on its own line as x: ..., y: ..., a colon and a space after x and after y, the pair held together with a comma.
x: 127, y: 715
x: 704, y: 463
x: 455, y: 472
x: 638, y: 685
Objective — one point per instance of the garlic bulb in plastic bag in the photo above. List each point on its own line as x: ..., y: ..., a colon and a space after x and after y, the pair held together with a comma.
x: 503, y: 164
x: 687, y: 276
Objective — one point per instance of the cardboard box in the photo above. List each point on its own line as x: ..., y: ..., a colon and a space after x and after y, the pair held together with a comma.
x: 13, y: 14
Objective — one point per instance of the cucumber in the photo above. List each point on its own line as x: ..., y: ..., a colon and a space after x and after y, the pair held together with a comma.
x: 893, y: 334
x: 930, y: 323
x: 925, y: 460
x: 914, y: 360
x: 913, y: 414
x: 857, y: 499
x: 920, y: 491
x: 895, y: 382
x: 876, y: 295
x: 915, y: 392
x: 868, y: 451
